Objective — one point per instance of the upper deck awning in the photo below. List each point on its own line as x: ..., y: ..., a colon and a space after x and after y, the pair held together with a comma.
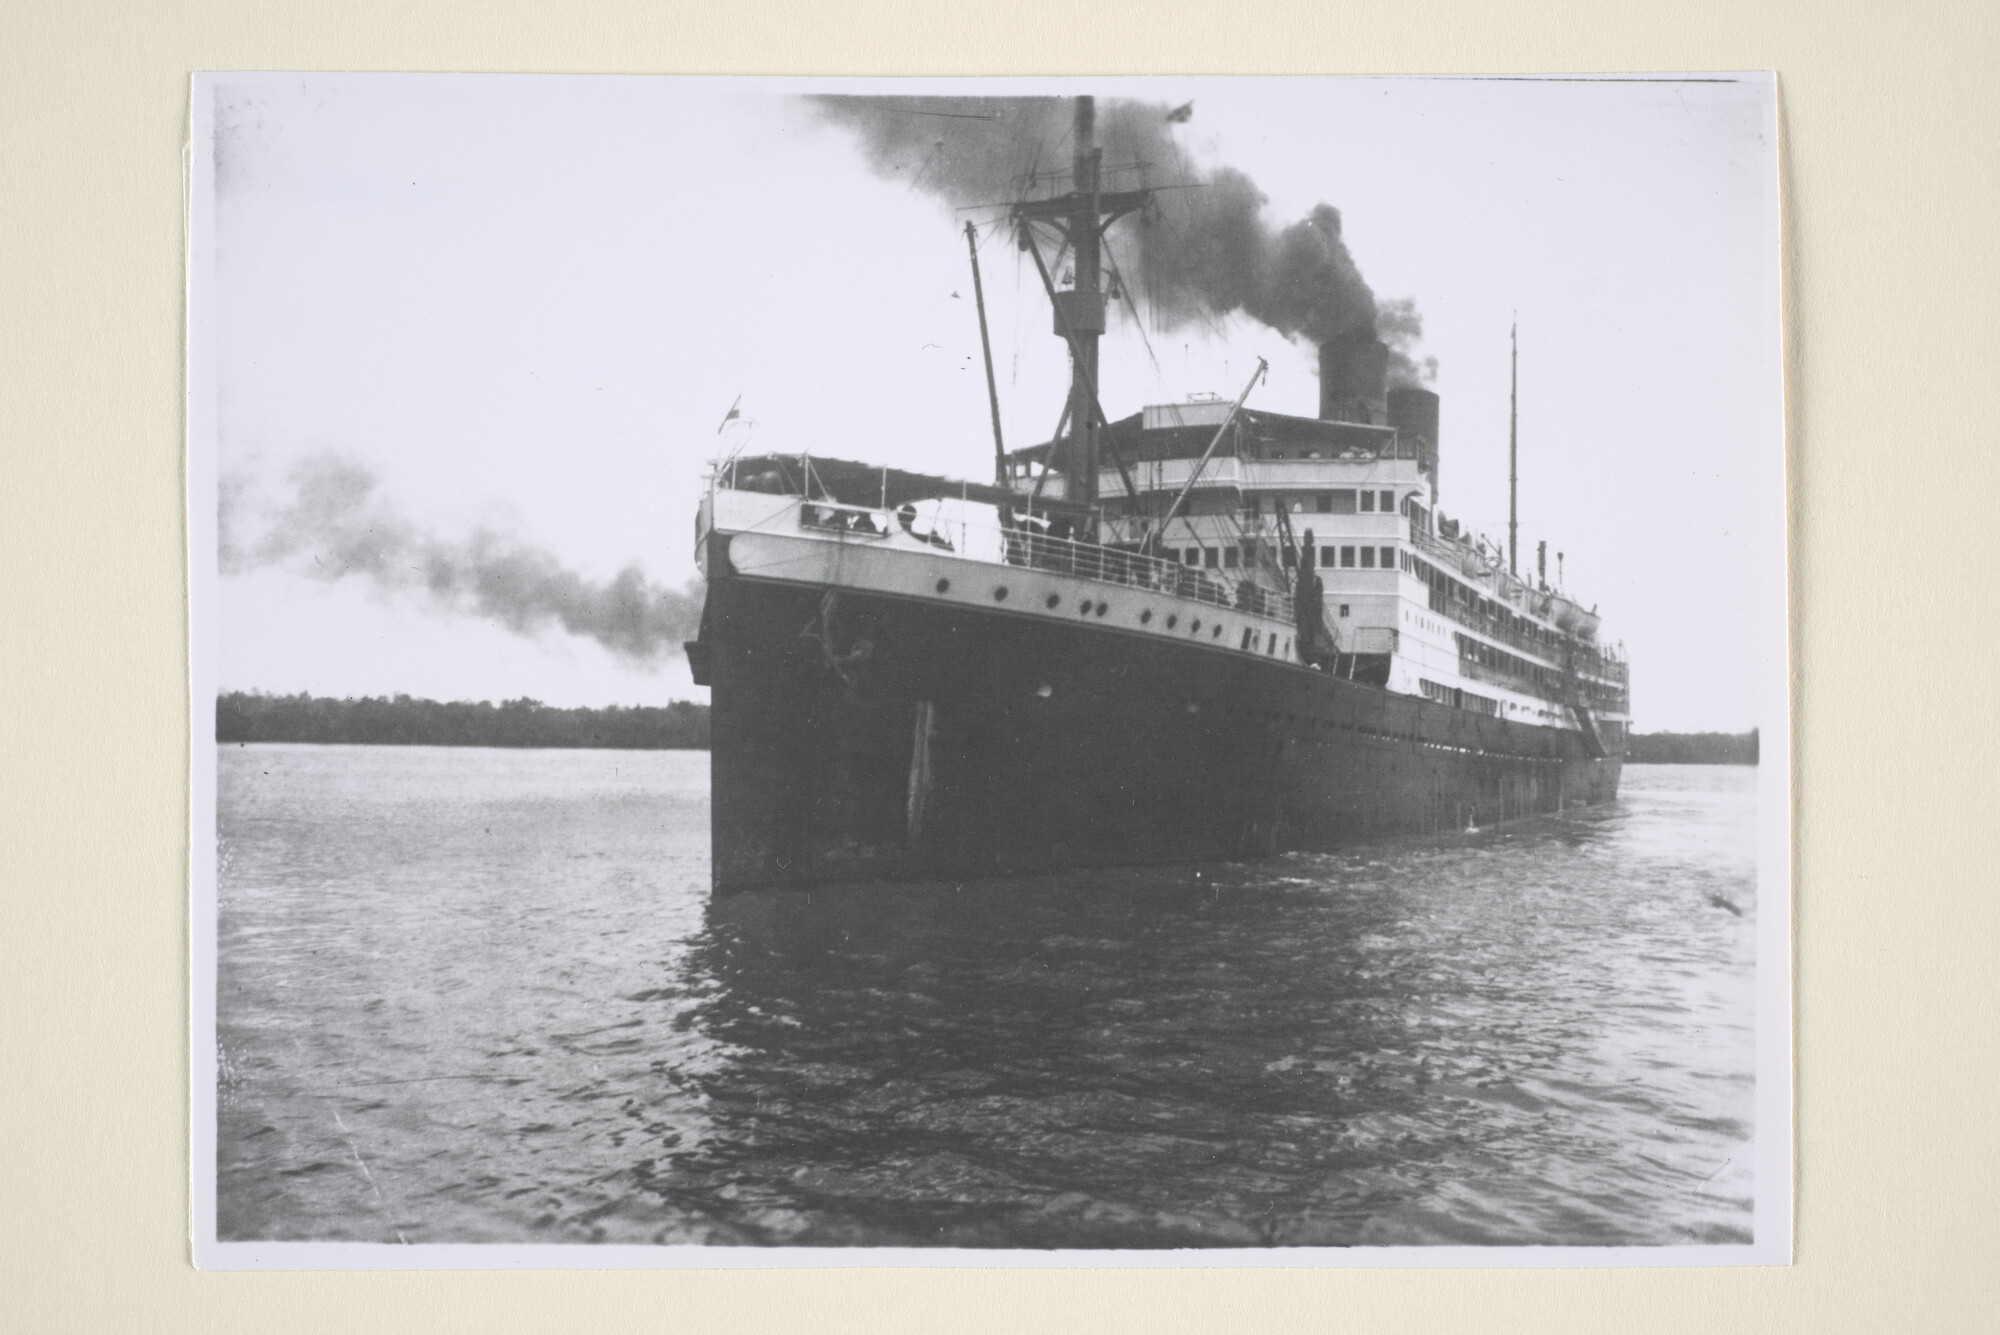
x: 1262, y: 434
x: 851, y: 483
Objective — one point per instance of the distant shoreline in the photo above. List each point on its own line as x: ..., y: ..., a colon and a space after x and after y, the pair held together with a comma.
x: 404, y: 721
x: 248, y: 716
x: 1692, y: 748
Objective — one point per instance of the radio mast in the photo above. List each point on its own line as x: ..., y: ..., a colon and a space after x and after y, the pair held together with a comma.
x: 1513, y: 401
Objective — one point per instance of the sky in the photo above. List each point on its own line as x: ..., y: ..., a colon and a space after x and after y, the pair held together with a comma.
x: 511, y: 312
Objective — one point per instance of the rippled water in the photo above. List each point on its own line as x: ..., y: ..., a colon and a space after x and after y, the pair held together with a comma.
x: 474, y: 995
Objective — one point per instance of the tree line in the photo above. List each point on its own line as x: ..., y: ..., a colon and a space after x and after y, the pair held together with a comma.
x: 1692, y: 748
x: 682, y: 725
x: 404, y: 721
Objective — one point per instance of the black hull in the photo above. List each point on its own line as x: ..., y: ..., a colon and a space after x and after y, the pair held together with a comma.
x: 965, y: 742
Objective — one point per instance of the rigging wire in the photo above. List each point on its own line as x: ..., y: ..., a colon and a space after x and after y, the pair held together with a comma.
x: 1187, y: 186
x: 949, y: 115
x: 937, y: 152
x: 1125, y: 292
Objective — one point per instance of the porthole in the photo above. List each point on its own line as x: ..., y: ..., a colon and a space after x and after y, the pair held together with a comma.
x: 1195, y: 629
x: 1102, y: 608
x: 944, y: 586
x: 1000, y: 594
x: 1171, y: 621
x: 1146, y: 616
x: 1217, y: 632
x: 1054, y: 599
x: 1084, y: 609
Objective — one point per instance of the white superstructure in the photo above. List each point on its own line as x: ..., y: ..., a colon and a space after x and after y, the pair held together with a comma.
x: 1412, y: 603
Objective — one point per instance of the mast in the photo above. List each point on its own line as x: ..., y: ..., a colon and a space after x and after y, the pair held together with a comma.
x: 1087, y: 321
x: 1081, y: 216
x: 986, y: 347
x: 1513, y: 401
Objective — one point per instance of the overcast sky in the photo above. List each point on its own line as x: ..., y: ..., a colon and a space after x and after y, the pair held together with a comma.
x: 524, y: 304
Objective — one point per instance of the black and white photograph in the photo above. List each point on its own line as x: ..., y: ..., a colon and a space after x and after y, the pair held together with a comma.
x: 1129, y: 671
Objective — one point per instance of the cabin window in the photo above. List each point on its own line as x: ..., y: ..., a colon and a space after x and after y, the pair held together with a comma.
x: 1248, y: 637
x: 1347, y: 557
x: 1388, y: 502
x: 1367, y: 502
x: 1211, y: 558
x: 1367, y: 558
x: 1253, y: 505
x: 1192, y: 556
x: 1230, y: 558
x: 1343, y: 503
x: 1328, y: 556
x: 1325, y: 502
x: 1388, y: 558
x: 1343, y: 609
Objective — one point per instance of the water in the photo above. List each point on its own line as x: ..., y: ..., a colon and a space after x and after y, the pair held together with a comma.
x: 476, y: 995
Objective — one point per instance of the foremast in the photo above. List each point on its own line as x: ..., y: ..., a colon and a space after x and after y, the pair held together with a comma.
x: 1080, y: 218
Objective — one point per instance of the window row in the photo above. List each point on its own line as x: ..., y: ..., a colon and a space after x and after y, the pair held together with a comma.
x: 1213, y: 558
x: 1345, y: 501
x: 1362, y: 558
x: 1330, y: 557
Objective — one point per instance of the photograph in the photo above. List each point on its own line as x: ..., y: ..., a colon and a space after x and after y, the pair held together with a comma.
x: 884, y: 672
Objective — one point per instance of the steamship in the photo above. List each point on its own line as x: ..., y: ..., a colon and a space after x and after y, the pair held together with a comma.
x: 1200, y: 632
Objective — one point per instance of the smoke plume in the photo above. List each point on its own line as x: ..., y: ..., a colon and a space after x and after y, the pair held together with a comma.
x: 1203, y: 250
x: 336, y: 526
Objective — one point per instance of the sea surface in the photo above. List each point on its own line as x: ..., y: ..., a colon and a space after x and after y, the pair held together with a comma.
x: 481, y: 995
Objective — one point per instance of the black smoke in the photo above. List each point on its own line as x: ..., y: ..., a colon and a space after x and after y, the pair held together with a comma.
x: 1205, y: 249
x: 336, y: 525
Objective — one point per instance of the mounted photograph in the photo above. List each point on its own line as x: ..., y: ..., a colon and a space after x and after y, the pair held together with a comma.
x: 815, y: 672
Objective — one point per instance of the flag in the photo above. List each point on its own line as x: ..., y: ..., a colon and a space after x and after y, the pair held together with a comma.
x: 1181, y: 114
x: 732, y: 414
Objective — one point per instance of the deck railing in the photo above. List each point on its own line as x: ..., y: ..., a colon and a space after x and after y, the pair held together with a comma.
x: 1026, y: 545
x: 1605, y: 698
x: 1594, y: 659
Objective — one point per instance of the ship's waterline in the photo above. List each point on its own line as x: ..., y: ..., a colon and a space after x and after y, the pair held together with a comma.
x: 1080, y: 724
x: 483, y: 995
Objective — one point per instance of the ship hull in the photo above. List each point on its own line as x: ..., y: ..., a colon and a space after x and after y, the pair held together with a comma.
x: 879, y: 736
